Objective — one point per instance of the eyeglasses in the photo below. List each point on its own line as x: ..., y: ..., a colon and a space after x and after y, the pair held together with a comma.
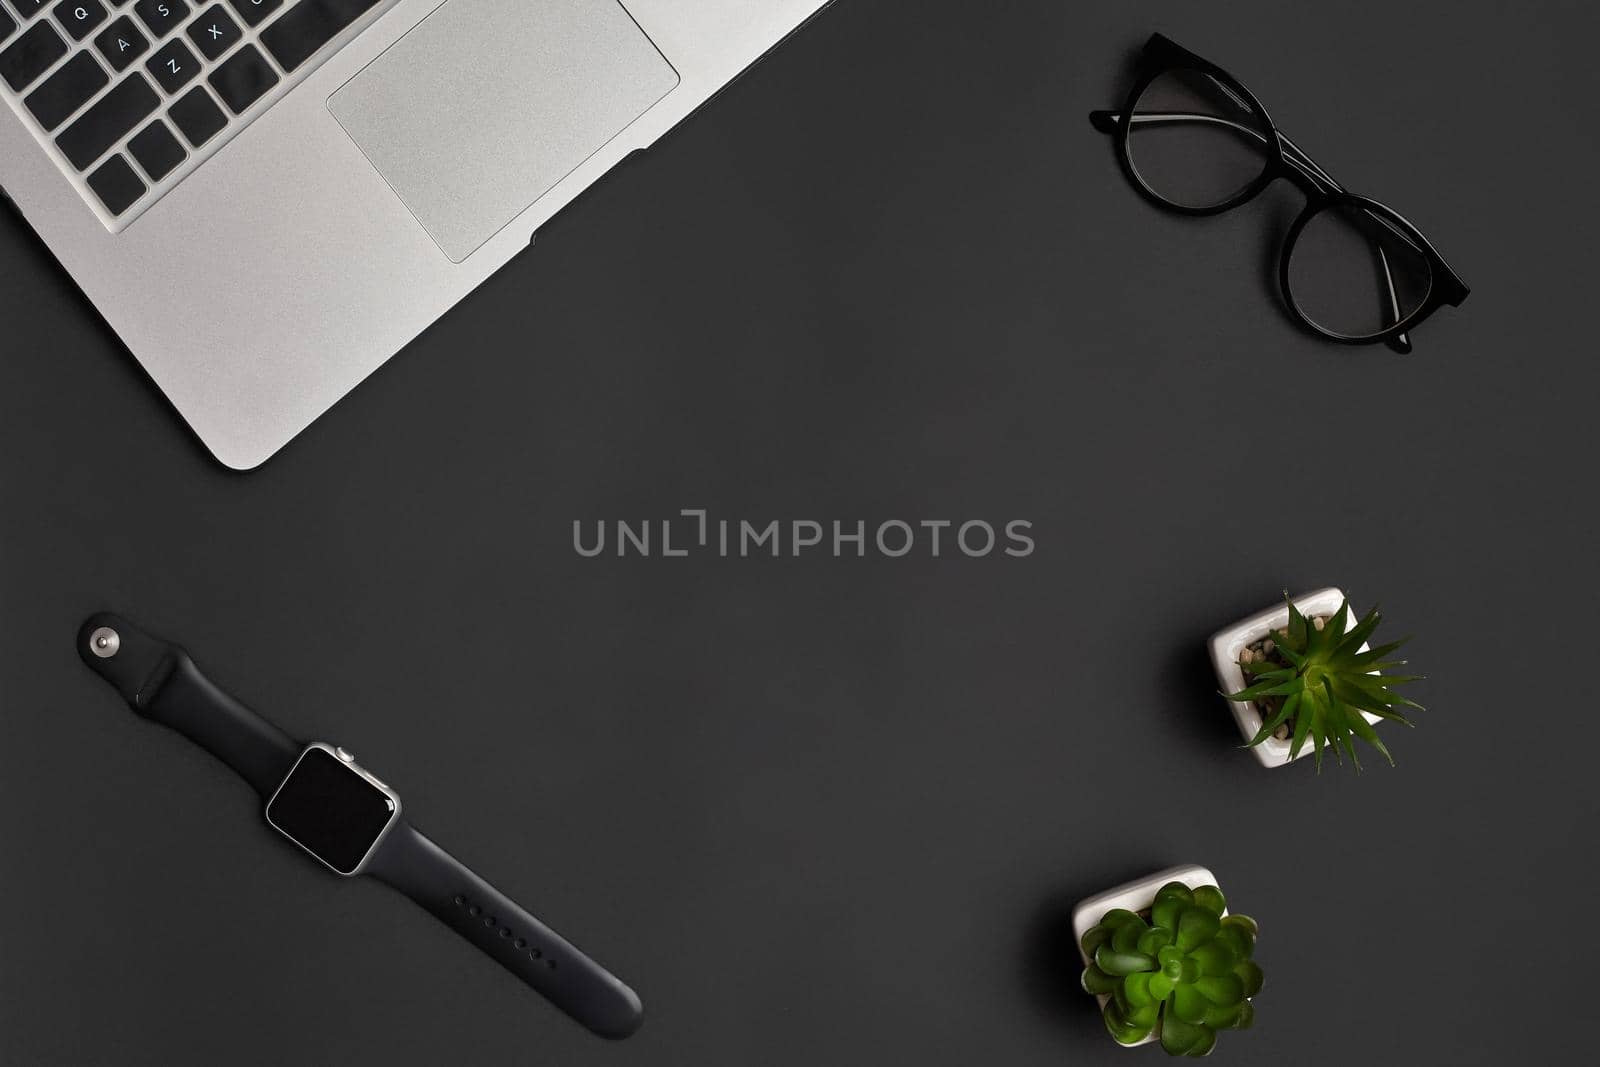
x: 1194, y: 140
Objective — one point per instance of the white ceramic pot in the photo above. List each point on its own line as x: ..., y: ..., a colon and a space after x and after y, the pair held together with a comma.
x: 1135, y: 896
x: 1228, y: 643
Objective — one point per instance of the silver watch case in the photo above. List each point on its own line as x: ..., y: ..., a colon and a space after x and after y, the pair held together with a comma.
x: 348, y: 761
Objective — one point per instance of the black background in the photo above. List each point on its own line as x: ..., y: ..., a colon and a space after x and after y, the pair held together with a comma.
x: 836, y: 811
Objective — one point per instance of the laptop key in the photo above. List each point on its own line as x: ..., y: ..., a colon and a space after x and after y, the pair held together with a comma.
x: 80, y: 17
x: 254, y: 12
x: 157, y: 151
x: 116, y: 185
x: 138, y: 92
x: 173, y: 66
x: 197, y: 116
x: 309, y: 25
x: 162, y: 16
x: 108, y: 120
x: 31, y: 55
x: 242, y: 79
x: 121, y: 43
x: 214, y: 32
x: 65, y: 91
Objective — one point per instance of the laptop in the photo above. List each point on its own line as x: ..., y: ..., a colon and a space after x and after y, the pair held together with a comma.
x: 266, y: 199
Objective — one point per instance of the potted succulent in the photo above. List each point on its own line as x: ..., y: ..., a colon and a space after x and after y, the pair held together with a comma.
x: 1302, y: 673
x: 1167, y: 962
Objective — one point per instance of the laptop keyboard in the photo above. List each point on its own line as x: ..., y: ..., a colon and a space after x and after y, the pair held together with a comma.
x: 130, y: 96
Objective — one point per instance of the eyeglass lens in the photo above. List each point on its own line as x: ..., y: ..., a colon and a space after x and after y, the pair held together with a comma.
x: 1194, y: 142
x: 1355, y: 273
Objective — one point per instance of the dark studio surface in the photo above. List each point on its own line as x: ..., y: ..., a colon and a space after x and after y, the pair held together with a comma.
x: 836, y: 811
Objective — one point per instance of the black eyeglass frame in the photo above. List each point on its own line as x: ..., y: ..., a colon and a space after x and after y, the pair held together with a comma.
x: 1284, y: 159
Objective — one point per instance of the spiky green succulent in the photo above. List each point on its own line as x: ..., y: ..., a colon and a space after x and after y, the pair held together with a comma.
x: 1184, y: 974
x: 1320, y: 682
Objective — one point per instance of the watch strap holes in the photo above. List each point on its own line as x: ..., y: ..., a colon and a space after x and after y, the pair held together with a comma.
x: 506, y: 935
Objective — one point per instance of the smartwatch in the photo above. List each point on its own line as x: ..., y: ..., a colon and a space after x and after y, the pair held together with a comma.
x: 317, y: 796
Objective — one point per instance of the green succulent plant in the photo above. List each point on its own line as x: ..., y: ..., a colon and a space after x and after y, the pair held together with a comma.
x: 1185, y: 973
x: 1325, y: 682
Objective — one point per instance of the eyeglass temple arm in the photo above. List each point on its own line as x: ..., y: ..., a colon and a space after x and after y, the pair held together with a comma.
x: 1400, y: 342
x: 1108, y: 122
x: 1296, y: 157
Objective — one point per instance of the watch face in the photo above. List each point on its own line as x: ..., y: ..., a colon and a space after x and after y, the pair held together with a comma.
x: 329, y: 809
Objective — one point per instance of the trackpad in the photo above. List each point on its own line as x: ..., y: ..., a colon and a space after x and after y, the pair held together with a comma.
x: 486, y: 104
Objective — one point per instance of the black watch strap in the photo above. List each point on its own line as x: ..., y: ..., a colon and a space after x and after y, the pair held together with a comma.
x: 407, y: 860
x: 162, y: 683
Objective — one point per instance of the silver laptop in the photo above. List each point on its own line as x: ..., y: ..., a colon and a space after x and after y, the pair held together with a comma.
x: 266, y: 199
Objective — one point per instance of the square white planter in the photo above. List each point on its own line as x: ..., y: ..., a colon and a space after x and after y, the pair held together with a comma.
x: 1135, y: 896
x: 1227, y: 644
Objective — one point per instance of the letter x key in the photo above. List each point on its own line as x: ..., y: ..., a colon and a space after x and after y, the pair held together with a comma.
x: 213, y: 33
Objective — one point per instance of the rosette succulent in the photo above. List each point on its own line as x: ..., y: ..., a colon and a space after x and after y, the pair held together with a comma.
x: 1183, y: 974
x: 1315, y: 680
